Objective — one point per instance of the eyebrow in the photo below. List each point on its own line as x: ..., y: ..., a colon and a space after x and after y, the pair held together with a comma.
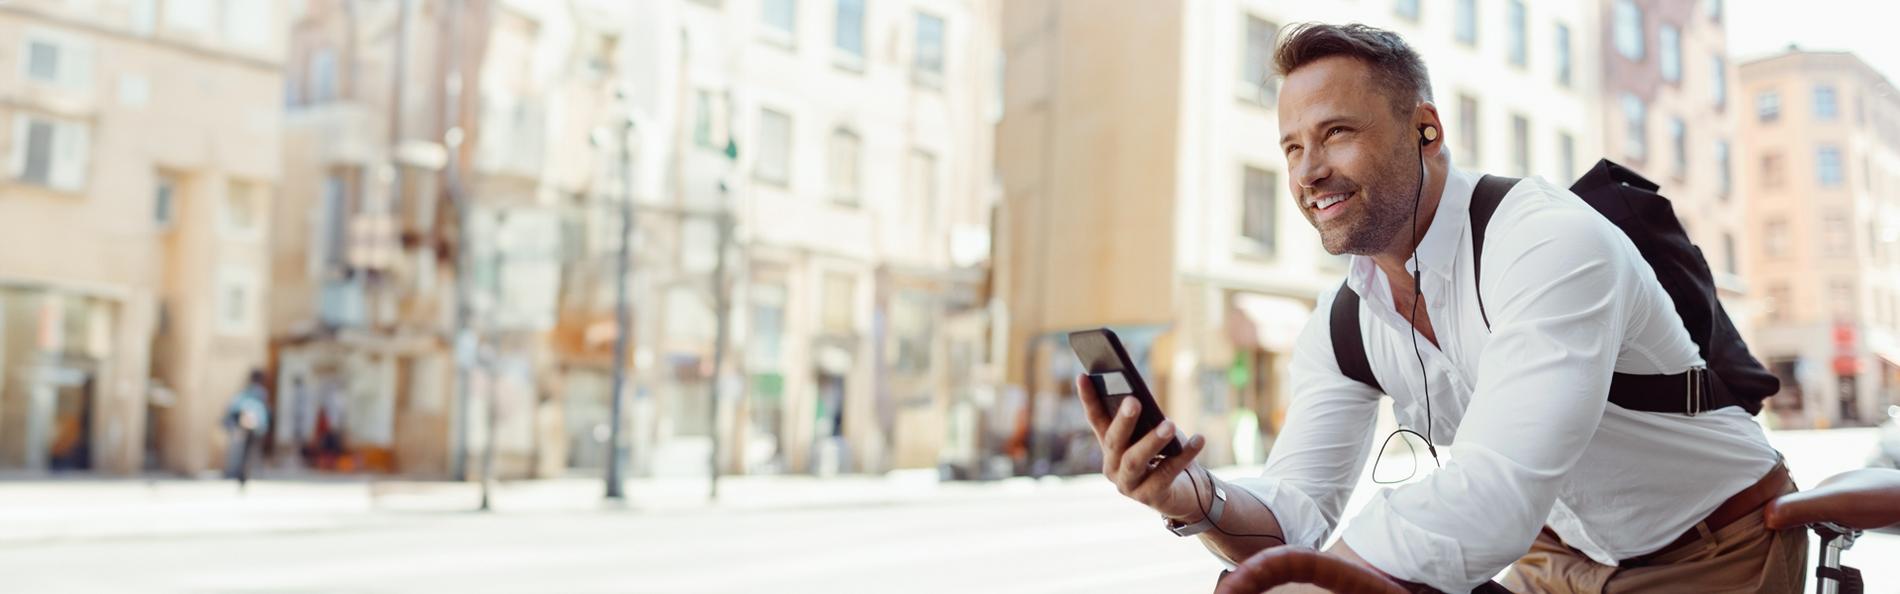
x: 1323, y: 124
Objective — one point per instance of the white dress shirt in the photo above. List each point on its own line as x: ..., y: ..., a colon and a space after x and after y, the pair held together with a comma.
x: 1520, y: 411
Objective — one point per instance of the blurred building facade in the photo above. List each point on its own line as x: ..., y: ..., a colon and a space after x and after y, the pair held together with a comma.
x: 847, y: 143
x: 431, y: 178
x: 142, y: 143
x: 861, y: 195
x: 1150, y: 196
x: 1668, y: 114
x: 1821, y: 141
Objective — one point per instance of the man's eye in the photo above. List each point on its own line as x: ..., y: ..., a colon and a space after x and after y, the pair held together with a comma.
x: 1335, y: 130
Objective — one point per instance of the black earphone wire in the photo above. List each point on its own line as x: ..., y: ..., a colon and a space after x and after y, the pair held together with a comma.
x: 1418, y: 294
x: 1206, y: 514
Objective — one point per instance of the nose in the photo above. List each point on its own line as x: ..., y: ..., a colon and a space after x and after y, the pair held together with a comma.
x: 1310, y: 170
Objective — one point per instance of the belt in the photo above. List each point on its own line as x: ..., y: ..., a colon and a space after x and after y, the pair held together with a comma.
x: 1748, y: 501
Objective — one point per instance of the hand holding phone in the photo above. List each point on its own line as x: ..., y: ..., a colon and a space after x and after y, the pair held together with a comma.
x: 1141, y: 453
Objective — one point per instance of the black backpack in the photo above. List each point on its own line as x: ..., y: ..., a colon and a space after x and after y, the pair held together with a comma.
x: 1732, y: 378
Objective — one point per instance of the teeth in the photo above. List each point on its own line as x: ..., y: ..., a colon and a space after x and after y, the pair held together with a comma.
x: 1328, y: 201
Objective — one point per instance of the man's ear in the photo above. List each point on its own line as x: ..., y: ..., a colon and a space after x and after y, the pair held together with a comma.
x: 1426, y: 116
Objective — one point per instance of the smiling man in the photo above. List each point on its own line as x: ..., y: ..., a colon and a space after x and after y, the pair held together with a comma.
x: 1510, y: 371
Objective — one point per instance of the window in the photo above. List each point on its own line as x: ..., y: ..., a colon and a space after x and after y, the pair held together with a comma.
x: 1728, y: 253
x: 1825, y: 106
x: 1629, y: 29
x: 1775, y: 238
x: 1566, y: 156
x: 1724, y: 176
x: 1563, y: 54
x: 1466, y: 22
x: 1837, y: 236
x: 1257, y: 84
x: 840, y: 295
x: 1771, y: 170
x: 1635, y: 127
x: 1827, y: 166
x: 1840, y: 296
x: 1514, y: 14
x: 1669, y: 40
x: 42, y: 61
x: 48, y: 152
x: 1407, y: 9
x: 775, y: 149
x: 242, y: 211
x: 1256, y: 209
x: 703, y: 119
x: 1521, y: 145
x: 767, y: 328
x: 247, y: 23
x: 844, y: 166
x: 164, y: 201
x: 1468, y: 120
x: 1679, y: 140
x: 1718, y: 83
x: 237, y: 301
x: 188, y: 15
x: 781, y: 20
x: 52, y: 61
x: 1768, y: 106
x: 908, y: 352
x: 1715, y: 10
x: 331, y: 239
x: 927, y: 62
x: 144, y: 16
x: 322, y: 86
x: 850, y: 34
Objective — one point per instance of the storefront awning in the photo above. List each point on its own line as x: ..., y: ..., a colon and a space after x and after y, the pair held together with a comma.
x: 1276, y: 320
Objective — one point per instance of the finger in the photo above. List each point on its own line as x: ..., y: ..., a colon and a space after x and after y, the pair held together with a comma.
x: 1135, y: 459
x: 1161, y: 478
x: 1092, y: 405
x: 1115, y: 439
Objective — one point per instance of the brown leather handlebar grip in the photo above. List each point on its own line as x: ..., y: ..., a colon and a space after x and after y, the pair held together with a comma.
x: 1283, y: 565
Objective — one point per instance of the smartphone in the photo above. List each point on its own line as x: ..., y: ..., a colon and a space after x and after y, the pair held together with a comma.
x: 1114, y: 378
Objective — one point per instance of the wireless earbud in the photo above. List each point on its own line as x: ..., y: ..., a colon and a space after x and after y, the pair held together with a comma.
x: 1427, y: 134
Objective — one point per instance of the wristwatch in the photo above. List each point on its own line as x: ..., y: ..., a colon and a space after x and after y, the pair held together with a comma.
x: 1207, y: 521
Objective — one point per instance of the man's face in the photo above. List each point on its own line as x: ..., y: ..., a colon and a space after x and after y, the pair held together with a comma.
x: 1353, y: 159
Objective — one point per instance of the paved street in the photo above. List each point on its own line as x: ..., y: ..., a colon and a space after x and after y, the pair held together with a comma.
x: 845, y: 535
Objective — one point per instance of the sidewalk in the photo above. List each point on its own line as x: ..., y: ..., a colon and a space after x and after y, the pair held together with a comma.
x: 59, y: 509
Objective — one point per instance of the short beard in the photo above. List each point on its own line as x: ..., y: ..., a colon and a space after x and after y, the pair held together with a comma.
x: 1388, y: 205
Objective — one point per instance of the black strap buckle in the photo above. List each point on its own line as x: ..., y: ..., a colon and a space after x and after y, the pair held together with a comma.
x: 1696, y: 391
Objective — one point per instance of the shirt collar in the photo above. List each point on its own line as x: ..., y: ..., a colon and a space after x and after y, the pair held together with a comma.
x: 1438, y: 249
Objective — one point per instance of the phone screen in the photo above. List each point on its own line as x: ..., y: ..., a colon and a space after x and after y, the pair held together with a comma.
x: 1114, y: 376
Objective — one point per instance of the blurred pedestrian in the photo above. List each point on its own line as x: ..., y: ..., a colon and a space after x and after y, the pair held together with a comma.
x: 245, y: 421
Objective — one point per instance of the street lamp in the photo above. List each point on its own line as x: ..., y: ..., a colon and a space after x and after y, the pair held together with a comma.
x: 616, y: 449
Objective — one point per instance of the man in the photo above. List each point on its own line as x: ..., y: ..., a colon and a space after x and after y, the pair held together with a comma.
x: 245, y: 420
x: 1540, y: 473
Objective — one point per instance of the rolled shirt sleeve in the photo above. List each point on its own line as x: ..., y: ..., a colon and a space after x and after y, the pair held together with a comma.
x: 1553, y: 283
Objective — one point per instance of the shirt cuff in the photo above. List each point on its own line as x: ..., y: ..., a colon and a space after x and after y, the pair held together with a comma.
x: 1300, y: 518
x: 1406, y: 551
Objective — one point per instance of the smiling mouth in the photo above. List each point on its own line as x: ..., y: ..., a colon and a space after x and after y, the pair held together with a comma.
x: 1326, y: 205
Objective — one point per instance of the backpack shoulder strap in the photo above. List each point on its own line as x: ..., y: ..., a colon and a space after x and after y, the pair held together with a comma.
x: 1484, y: 203
x: 1349, y: 348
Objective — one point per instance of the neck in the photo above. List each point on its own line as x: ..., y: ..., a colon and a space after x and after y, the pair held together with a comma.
x: 1391, y: 260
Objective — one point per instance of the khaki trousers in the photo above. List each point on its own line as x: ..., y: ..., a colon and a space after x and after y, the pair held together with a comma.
x: 1744, y: 556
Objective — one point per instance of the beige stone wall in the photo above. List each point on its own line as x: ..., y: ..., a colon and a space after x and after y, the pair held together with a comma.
x: 1846, y: 235
x: 199, y: 104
